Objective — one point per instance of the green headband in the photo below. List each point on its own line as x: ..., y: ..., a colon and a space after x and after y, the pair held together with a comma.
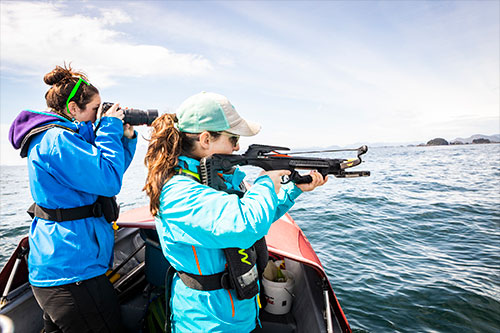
x: 73, y: 92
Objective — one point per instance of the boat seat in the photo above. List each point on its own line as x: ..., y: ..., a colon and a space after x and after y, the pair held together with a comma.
x: 156, y: 263
x: 156, y: 269
x: 276, y: 323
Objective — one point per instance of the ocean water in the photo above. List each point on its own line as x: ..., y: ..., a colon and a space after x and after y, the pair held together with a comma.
x: 413, y: 248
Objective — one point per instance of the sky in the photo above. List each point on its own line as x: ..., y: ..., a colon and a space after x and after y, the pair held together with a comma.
x: 312, y: 73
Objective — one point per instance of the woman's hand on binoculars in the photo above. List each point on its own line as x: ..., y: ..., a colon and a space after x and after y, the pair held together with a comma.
x: 113, y: 111
x: 128, y: 131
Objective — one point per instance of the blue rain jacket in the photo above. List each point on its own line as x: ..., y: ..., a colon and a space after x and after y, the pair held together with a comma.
x: 194, y: 224
x: 68, y: 170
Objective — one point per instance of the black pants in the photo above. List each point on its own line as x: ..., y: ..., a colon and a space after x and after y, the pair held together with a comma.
x: 86, y: 306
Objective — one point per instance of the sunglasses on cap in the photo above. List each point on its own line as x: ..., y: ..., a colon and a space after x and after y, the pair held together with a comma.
x: 233, y: 138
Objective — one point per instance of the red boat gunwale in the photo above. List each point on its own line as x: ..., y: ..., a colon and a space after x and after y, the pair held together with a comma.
x: 285, y: 238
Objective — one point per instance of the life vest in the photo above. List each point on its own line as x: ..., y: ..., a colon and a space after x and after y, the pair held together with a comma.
x: 243, y: 269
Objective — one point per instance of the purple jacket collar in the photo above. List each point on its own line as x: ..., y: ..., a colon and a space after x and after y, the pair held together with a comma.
x: 28, y: 120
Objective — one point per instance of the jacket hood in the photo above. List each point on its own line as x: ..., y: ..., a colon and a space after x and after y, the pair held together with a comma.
x: 28, y: 120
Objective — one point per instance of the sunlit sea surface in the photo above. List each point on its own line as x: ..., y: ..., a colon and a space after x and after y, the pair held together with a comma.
x: 413, y: 248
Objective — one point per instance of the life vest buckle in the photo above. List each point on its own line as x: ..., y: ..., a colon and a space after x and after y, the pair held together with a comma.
x: 225, y: 280
x: 97, y: 209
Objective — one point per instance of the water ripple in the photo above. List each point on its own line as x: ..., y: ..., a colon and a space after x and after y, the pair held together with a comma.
x: 413, y: 248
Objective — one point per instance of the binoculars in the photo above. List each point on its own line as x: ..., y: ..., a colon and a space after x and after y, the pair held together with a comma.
x: 134, y: 116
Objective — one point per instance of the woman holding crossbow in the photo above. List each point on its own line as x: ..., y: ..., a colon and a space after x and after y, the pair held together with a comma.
x: 213, y: 239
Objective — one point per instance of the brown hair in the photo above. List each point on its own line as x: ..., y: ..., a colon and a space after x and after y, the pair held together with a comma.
x: 167, y: 143
x: 63, y: 80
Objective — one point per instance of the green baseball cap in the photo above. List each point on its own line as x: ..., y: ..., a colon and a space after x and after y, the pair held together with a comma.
x: 212, y: 112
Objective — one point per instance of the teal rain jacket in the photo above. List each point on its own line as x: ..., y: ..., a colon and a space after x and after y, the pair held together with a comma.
x: 194, y: 224
x: 68, y: 170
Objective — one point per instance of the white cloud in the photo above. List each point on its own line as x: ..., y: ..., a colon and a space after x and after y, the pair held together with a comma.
x: 438, y: 64
x: 114, y: 16
x: 339, y: 73
x: 38, y: 35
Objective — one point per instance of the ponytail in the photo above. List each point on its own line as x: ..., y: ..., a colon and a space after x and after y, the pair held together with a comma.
x: 161, y: 157
x: 167, y: 143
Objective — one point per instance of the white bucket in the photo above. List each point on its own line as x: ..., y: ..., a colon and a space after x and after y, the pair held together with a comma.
x: 278, y: 295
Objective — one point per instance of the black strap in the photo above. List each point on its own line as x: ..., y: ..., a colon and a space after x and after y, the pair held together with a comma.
x: 68, y: 214
x: 179, y: 172
x: 239, y: 193
x: 168, y: 286
x: 206, y: 282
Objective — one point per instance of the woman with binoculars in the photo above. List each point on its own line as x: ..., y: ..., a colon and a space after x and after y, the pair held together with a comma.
x: 72, y: 168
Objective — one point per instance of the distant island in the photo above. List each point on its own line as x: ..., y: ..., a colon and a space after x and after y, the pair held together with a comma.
x: 474, y: 139
x: 438, y: 141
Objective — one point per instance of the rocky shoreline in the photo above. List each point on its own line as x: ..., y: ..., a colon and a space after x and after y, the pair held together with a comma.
x: 475, y: 139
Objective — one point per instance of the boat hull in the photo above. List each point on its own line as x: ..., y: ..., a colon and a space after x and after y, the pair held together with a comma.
x: 140, y: 265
